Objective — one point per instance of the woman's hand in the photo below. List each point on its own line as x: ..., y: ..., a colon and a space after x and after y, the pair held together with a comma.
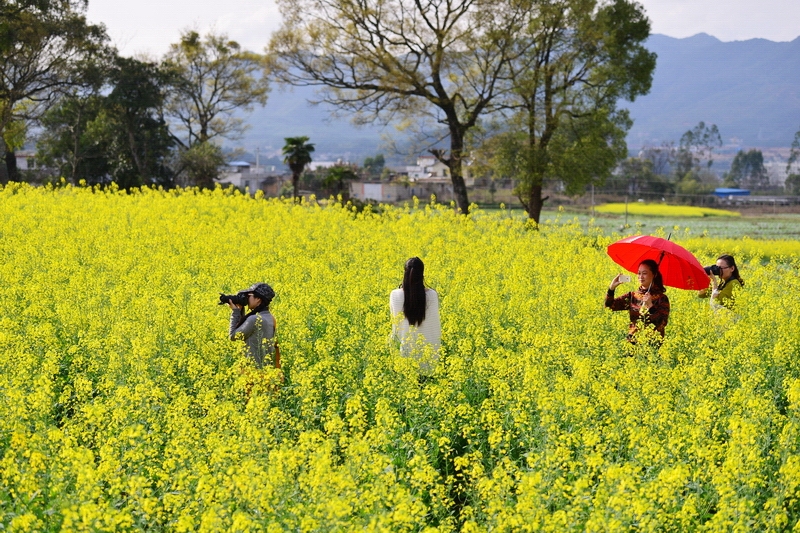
x: 647, y: 300
x: 615, y: 282
x: 233, y: 305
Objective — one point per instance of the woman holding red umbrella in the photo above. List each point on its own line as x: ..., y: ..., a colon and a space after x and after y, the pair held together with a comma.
x: 648, y: 305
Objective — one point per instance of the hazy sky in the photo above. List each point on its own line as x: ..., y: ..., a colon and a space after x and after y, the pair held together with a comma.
x: 149, y: 26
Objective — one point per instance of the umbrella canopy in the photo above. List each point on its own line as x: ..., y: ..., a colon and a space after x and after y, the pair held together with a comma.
x: 678, y: 267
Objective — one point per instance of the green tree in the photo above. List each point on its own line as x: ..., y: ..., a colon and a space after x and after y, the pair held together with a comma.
x: 695, y: 151
x: 41, y: 43
x: 141, y: 139
x: 70, y: 140
x: 111, y: 129
x: 387, y: 58
x: 694, y: 158
x: 747, y: 170
x: 637, y: 175
x: 373, y: 166
x: 337, y: 175
x: 792, y: 184
x: 199, y: 165
x: 577, y: 59
x: 662, y: 158
x: 297, y: 154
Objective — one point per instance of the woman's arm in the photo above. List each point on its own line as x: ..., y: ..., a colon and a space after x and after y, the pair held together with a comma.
x: 710, y: 290
x: 245, y: 329
x: 724, y: 296
x: 622, y: 303
x: 395, y: 307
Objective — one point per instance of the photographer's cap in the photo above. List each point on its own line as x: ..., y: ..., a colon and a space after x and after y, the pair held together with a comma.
x: 263, y: 291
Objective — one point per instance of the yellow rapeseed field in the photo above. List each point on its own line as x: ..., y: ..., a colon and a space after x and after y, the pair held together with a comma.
x: 664, y: 210
x: 123, y: 405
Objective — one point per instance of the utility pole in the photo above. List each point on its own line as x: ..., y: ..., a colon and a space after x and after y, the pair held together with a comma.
x: 626, y: 211
x: 257, y: 152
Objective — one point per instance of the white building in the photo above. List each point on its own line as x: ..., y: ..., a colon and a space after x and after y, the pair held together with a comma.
x: 428, y: 167
x: 242, y: 175
x: 26, y: 159
x: 776, y: 170
x: 399, y: 191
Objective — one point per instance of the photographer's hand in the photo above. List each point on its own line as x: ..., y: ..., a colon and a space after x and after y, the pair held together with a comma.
x: 615, y: 282
x: 233, y: 305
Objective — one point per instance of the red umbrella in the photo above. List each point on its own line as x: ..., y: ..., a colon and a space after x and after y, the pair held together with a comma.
x: 677, y: 265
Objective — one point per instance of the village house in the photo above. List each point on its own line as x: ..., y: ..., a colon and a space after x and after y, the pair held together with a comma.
x: 242, y: 175
x: 428, y: 177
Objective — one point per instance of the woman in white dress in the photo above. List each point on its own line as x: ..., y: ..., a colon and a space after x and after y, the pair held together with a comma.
x: 415, y: 317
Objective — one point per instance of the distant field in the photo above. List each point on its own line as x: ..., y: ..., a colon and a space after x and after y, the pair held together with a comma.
x: 772, y: 227
x: 663, y: 210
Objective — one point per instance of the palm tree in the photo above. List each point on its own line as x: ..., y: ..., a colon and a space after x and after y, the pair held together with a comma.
x: 297, y: 154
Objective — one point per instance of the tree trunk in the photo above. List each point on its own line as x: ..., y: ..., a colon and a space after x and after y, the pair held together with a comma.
x: 137, y: 160
x: 12, y: 174
x: 455, y: 164
x: 295, y: 180
x: 535, y: 202
x: 3, y: 170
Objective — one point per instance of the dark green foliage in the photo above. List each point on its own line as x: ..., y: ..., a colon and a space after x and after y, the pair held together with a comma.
x: 118, y: 136
x: 792, y: 184
x: 697, y: 145
x: 336, y: 176
x: 577, y: 60
x: 199, y: 165
x: 297, y: 154
x: 72, y: 143
x: 635, y: 177
x: 42, y: 44
x: 747, y: 170
x: 373, y: 166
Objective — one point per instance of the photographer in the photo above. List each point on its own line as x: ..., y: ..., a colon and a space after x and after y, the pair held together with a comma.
x: 256, y: 328
x: 722, y: 292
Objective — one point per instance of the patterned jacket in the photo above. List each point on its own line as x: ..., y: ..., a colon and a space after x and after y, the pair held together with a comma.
x: 657, y: 315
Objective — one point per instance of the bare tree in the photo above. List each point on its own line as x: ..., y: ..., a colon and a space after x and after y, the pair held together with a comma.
x: 213, y: 79
x: 383, y: 59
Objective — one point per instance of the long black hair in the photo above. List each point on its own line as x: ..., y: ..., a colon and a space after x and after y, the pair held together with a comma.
x: 658, y: 280
x: 414, y: 302
x: 732, y: 263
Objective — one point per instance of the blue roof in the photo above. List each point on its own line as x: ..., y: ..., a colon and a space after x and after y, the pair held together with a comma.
x: 724, y: 191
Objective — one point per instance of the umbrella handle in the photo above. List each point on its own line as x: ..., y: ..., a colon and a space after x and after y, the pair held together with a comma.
x: 661, y: 256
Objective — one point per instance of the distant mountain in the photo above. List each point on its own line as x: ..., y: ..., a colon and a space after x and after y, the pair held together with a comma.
x: 749, y: 89
x: 288, y: 114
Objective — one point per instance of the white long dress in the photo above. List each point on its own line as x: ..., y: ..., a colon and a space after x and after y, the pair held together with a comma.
x: 421, y: 342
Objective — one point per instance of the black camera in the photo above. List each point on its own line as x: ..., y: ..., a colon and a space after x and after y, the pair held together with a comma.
x: 713, y: 269
x: 235, y: 299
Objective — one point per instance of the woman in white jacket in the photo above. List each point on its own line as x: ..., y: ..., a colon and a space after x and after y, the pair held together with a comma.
x: 415, y: 317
